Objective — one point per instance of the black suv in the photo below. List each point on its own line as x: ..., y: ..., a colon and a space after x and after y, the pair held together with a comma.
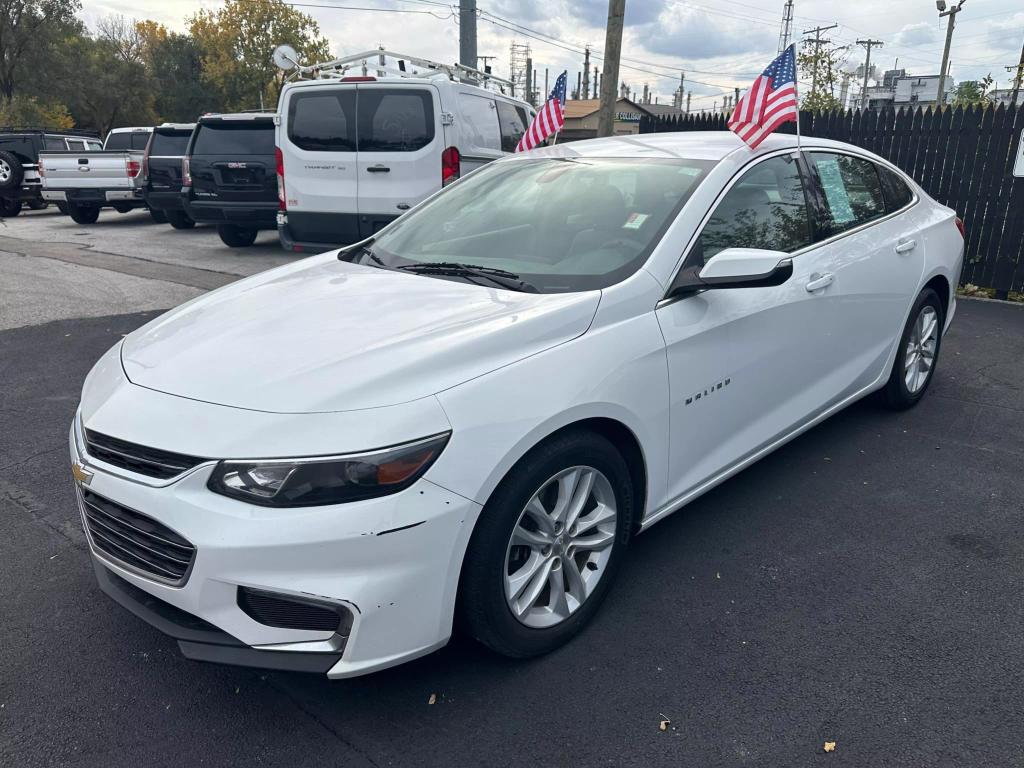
x: 19, y: 163
x: 161, y: 166
x: 230, y: 175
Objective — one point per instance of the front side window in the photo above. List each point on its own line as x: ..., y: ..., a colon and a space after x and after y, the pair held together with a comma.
x: 226, y: 137
x: 561, y: 224
x: 765, y: 209
x: 853, y: 192
x: 512, y: 126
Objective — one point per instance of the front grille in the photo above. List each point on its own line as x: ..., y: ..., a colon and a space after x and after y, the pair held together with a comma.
x: 280, y: 611
x: 135, y: 540
x: 151, y: 462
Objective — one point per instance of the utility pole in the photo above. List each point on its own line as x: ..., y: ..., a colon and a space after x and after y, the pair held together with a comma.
x: 484, y: 66
x: 868, y: 44
x: 787, y: 26
x: 586, y: 72
x: 818, y: 42
x: 467, y: 33
x: 688, y: 97
x: 529, y: 81
x: 610, y: 76
x: 1019, y: 69
x: 951, y: 13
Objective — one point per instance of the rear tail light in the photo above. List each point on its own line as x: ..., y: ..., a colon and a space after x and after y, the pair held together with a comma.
x: 134, y: 167
x: 451, y: 165
x: 960, y: 226
x: 186, y: 172
x: 279, y: 161
x: 41, y: 169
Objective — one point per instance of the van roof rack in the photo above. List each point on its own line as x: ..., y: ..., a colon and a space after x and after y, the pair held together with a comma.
x: 384, y: 63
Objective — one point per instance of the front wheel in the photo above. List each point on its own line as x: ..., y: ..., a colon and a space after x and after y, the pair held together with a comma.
x: 83, y: 214
x: 917, y: 353
x: 180, y: 220
x: 235, y: 236
x: 547, y: 546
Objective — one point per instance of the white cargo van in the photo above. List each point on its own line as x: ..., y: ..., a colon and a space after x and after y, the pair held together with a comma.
x: 366, y: 142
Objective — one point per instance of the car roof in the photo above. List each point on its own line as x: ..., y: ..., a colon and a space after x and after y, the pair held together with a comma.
x: 217, y: 116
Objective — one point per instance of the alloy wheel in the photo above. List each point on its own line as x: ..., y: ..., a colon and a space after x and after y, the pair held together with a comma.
x: 5, y: 171
x: 560, y: 546
x: 919, y: 358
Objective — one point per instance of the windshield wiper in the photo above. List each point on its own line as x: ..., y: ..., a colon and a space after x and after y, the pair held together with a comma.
x: 346, y: 254
x: 501, y: 277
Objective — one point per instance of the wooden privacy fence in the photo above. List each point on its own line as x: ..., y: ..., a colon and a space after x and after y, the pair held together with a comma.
x: 964, y: 158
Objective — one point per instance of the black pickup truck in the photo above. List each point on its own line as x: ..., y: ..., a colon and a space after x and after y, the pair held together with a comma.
x: 19, y: 163
x: 161, y: 165
x: 230, y: 175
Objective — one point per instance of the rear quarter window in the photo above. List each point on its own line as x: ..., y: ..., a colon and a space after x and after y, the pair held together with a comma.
x: 395, y: 120
x: 323, y: 120
x: 897, y: 194
x: 54, y: 144
x: 234, y: 138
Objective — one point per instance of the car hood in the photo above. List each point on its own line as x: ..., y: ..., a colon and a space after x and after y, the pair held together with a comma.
x: 324, y: 335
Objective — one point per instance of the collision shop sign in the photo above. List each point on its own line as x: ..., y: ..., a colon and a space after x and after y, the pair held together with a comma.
x: 1018, y: 167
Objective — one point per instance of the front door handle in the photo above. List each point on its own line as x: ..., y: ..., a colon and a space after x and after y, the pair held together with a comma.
x: 905, y: 246
x: 378, y: 169
x: 819, y: 281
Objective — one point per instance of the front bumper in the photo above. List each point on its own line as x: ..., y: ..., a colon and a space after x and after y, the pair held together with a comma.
x: 391, y: 562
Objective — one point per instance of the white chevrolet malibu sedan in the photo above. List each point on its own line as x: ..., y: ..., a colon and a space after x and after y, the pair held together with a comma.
x: 466, y: 418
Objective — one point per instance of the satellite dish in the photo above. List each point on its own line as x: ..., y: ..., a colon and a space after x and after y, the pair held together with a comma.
x: 285, y: 58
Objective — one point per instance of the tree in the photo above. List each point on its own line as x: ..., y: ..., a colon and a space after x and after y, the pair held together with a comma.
x: 175, y: 66
x: 824, y: 67
x: 972, y: 93
x: 236, y: 43
x: 30, y: 111
x: 26, y: 26
x: 125, y: 37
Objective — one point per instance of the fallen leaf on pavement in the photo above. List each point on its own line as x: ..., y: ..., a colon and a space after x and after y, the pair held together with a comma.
x: 432, y: 699
x: 830, y: 746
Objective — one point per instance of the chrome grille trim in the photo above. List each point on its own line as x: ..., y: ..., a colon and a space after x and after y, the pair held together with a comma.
x: 140, y: 459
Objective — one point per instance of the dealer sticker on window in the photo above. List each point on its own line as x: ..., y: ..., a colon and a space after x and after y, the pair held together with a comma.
x: 635, y: 221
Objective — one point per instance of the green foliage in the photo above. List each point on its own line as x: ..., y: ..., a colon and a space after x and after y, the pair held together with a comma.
x: 27, y: 29
x: 973, y: 93
x: 236, y: 43
x: 822, y: 66
x: 30, y: 111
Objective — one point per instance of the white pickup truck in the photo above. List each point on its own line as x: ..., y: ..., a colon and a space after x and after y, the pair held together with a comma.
x: 82, y: 183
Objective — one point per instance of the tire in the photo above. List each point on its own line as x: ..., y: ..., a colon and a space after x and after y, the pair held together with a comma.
x: 158, y: 216
x: 62, y: 207
x: 179, y: 220
x: 122, y: 208
x: 9, y: 208
x: 485, y: 607
x: 904, y: 389
x: 37, y: 205
x: 11, y: 172
x: 83, y: 214
x: 235, y: 236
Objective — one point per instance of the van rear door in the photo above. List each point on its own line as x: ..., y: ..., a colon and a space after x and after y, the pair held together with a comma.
x: 400, y: 141
x: 318, y: 144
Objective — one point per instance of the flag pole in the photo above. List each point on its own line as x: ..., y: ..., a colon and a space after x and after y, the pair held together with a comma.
x: 796, y: 90
x: 555, y: 139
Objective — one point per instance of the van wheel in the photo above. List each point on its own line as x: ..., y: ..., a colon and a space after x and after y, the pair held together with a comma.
x: 83, y: 214
x: 547, y: 546
x: 9, y: 208
x: 158, y: 216
x: 235, y: 236
x: 180, y: 220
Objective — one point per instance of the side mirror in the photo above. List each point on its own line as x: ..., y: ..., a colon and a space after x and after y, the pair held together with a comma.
x: 735, y: 268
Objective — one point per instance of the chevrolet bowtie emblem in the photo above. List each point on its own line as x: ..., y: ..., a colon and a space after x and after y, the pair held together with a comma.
x: 81, y: 474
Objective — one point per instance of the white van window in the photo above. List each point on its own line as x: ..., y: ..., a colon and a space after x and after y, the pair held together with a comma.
x: 399, y: 120
x: 480, y: 116
x: 323, y: 121
x: 512, y: 126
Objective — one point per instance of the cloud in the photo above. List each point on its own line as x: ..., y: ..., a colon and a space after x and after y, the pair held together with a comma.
x: 922, y: 33
x: 694, y: 35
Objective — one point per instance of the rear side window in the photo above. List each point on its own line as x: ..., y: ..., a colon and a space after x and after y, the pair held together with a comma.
x: 127, y: 140
x: 399, y: 120
x: 323, y: 120
x: 55, y: 144
x: 765, y: 209
x: 897, y: 194
x: 169, y: 144
x: 224, y: 137
x: 512, y: 126
x: 853, y: 191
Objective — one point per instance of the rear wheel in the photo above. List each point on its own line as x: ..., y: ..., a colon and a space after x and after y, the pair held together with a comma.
x: 37, y: 205
x: 63, y: 208
x: 83, y: 214
x: 180, y: 220
x: 235, y: 236
x: 11, y: 173
x: 158, y: 216
x: 547, y: 546
x: 9, y: 208
x: 917, y: 353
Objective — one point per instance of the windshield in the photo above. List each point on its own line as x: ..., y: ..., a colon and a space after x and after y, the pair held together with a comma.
x: 561, y: 225
x: 127, y: 140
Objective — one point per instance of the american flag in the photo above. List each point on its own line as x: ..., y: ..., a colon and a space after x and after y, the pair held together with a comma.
x: 770, y: 102
x: 549, y: 119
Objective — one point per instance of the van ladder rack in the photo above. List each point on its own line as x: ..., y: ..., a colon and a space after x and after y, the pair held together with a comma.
x: 377, y: 62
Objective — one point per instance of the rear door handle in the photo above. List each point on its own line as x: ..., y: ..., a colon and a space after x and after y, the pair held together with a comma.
x: 819, y: 281
x: 378, y: 169
x: 905, y: 246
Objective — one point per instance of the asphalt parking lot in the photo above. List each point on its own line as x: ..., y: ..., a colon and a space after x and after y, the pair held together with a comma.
x: 862, y: 585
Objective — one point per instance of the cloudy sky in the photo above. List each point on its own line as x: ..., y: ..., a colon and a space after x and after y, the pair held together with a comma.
x: 720, y: 44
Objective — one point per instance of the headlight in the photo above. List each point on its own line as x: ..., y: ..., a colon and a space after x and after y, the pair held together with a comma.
x: 328, y: 480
